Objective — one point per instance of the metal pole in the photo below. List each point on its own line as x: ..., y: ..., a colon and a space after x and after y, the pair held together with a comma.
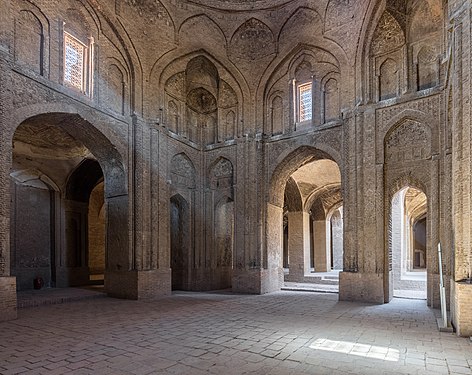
x: 442, y: 291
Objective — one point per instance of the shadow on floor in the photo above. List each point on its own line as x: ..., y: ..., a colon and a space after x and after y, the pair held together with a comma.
x: 53, y: 296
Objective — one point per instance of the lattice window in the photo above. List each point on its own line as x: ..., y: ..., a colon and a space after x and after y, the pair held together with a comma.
x: 305, y: 102
x: 75, y: 57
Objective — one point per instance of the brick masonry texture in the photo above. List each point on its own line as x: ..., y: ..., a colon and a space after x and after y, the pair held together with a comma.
x: 189, y: 116
x: 211, y: 333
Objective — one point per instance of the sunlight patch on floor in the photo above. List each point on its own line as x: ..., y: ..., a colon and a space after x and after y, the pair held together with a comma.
x: 357, y: 349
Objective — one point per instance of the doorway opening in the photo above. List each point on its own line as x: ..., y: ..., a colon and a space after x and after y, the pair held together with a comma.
x: 312, y: 225
x: 59, y: 221
x: 408, y: 243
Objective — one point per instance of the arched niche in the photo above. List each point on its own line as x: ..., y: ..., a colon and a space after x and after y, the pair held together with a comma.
x: 299, y: 80
x: 28, y: 27
x: 407, y: 141
x: 425, y: 39
x: 221, y: 208
x: 180, y: 246
x: 182, y: 172
x: 387, y: 51
x: 199, y: 105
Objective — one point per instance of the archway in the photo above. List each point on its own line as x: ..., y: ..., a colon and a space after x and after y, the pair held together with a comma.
x: 62, y: 166
x: 408, y: 243
x: 310, y: 182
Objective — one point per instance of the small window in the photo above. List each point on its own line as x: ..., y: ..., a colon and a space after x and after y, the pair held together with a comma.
x: 75, y: 62
x: 305, y: 102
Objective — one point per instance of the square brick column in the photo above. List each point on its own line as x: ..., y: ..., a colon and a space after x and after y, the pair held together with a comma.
x: 8, y: 308
x: 298, y: 245
x: 319, y: 244
x: 268, y: 277
x: 460, y: 12
x: 461, y: 302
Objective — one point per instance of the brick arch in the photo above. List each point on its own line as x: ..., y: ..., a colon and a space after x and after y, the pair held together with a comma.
x: 176, y: 61
x: 293, y: 198
x: 322, y: 51
x: 93, y: 131
x: 373, y: 14
x: 91, y: 134
x: 182, y: 171
x: 215, y: 172
x: 405, y: 180
x: 82, y: 180
x: 427, y: 121
x: 330, y: 194
x: 289, y: 162
x: 203, y: 18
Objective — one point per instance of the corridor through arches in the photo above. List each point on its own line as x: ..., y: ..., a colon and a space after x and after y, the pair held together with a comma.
x: 312, y: 221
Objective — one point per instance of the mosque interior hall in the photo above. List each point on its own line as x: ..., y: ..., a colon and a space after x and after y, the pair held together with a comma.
x: 237, y: 187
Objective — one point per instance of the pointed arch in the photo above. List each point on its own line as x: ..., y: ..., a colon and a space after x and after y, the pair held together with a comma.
x: 202, y: 22
x: 302, y: 20
x: 252, y: 40
x: 289, y: 162
x: 292, y: 196
x: 182, y: 171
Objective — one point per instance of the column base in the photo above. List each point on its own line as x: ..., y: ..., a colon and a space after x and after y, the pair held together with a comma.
x: 258, y: 281
x: 138, y: 284
x: 8, y: 301
x: 361, y: 287
x: 434, y: 297
x: 461, y: 301
x: 203, y: 279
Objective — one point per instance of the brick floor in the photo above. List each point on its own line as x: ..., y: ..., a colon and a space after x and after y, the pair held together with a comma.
x: 210, y: 333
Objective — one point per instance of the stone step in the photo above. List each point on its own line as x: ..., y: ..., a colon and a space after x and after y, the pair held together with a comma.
x: 322, y: 280
x: 309, y: 287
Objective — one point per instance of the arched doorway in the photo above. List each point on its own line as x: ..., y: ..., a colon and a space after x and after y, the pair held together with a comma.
x: 67, y: 181
x: 306, y: 187
x: 84, y: 228
x: 408, y: 243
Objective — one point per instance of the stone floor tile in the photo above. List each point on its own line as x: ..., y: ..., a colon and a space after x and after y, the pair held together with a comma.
x: 196, y: 333
x: 460, y: 370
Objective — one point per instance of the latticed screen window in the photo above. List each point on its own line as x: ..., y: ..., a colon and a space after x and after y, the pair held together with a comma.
x: 74, y: 62
x: 305, y: 102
